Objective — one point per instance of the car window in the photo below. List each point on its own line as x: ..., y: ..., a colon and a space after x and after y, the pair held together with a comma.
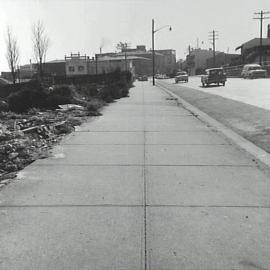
x: 255, y: 68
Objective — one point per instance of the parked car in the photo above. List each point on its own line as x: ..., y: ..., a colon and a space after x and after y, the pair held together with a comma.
x: 143, y: 78
x: 253, y: 71
x: 181, y: 76
x: 214, y: 76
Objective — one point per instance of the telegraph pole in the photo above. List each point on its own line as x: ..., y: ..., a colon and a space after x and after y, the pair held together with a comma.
x: 261, y: 18
x: 213, y: 36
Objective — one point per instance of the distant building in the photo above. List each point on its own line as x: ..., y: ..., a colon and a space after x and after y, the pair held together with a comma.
x: 165, y: 60
x: 76, y: 64
x: 196, y: 60
x: 55, y: 67
x: 108, y: 64
x: 169, y: 60
x: 223, y: 59
x: 250, y: 50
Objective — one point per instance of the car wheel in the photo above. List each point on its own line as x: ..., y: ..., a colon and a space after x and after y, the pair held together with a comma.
x: 223, y: 83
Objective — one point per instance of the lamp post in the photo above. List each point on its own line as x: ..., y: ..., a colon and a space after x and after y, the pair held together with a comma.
x: 153, y: 44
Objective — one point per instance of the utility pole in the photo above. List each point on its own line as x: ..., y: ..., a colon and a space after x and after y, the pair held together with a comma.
x: 153, y: 50
x: 261, y: 18
x: 153, y: 44
x: 213, y: 36
x: 96, y: 60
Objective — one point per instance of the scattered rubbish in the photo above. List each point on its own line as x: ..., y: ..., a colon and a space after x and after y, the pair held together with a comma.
x: 67, y: 107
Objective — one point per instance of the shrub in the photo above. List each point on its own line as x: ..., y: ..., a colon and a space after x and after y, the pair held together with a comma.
x: 25, y: 99
x: 3, y: 106
x: 63, y: 90
x: 105, y: 94
x: 54, y: 100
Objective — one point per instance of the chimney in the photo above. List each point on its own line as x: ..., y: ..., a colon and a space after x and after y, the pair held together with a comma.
x: 268, y: 31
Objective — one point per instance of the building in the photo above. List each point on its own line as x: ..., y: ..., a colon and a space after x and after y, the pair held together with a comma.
x: 107, y: 64
x: 223, y: 59
x: 55, y: 67
x: 169, y: 61
x: 250, y: 50
x: 76, y: 64
x: 165, y: 60
x: 196, y: 60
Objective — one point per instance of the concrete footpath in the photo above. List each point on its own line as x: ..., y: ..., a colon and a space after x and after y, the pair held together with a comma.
x: 145, y: 186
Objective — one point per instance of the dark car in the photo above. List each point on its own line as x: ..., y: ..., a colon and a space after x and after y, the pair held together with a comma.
x: 214, y: 76
x: 181, y: 76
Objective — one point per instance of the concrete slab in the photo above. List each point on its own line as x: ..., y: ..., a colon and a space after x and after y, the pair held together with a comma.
x: 105, y: 138
x: 195, y: 155
x: 95, y: 155
x: 115, y: 123
x: 173, y: 124
x: 77, y: 238
x: 184, y: 137
x: 75, y: 185
x: 204, y: 186
x: 208, y: 238
x: 171, y: 113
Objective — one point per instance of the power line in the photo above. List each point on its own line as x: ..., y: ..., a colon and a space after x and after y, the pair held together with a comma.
x: 213, y: 36
x: 261, y: 18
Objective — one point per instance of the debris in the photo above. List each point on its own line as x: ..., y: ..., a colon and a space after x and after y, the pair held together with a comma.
x: 67, y: 107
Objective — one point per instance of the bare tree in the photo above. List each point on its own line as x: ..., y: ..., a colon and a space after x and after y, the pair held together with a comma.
x: 122, y: 47
x: 40, y: 44
x: 12, y: 53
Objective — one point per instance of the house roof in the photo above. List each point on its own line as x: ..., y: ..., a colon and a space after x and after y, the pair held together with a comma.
x: 255, y: 42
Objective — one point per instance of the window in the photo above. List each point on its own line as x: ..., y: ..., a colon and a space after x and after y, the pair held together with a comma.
x: 80, y: 68
x: 71, y: 68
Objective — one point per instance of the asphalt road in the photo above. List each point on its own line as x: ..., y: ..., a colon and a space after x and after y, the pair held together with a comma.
x: 253, y: 92
x: 242, y: 105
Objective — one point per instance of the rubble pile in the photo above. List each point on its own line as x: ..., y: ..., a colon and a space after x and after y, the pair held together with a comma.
x: 27, y: 137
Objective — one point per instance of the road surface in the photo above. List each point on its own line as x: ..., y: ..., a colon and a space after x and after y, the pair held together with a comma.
x: 242, y: 105
x: 253, y: 92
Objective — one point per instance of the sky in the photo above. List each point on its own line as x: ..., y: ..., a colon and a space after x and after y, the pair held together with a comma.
x: 86, y: 25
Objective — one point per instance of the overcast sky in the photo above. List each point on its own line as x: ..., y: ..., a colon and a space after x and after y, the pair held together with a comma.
x: 84, y: 25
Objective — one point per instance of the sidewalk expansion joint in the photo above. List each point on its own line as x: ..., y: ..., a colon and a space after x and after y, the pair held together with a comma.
x: 144, y: 206
x: 146, y: 165
x: 125, y: 144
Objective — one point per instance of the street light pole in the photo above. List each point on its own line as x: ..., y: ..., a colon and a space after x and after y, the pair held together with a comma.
x: 153, y: 49
x: 153, y: 45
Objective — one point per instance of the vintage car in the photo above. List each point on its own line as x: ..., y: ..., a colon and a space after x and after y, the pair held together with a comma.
x: 214, y: 76
x: 253, y: 71
x: 181, y: 76
x: 143, y: 78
